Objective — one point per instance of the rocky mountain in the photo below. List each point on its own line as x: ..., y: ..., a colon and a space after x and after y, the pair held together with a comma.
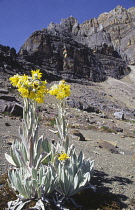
x: 94, y: 50
x: 112, y: 33
x: 82, y: 53
x: 69, y: 58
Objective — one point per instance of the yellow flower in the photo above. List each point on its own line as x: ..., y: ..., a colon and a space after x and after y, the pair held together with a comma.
x: 23, y: 82
x: 61, y: 91
x: 30, y: 87
x: 24, y: 92
x: 15, y: 79
x: 63, y: 156
x: 36, y: 74
x: 35, y: 84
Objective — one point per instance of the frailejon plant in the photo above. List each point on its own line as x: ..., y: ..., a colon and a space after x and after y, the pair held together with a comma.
x: 44, y: 171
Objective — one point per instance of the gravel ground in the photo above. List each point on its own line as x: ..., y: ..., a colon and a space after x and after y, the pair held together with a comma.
x: 113, y: 152
x: 114, y: 173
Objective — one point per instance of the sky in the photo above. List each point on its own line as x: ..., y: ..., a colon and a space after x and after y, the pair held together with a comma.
x: 20, y: 18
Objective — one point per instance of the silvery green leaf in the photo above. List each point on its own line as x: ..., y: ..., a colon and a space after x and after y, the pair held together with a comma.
x: 27, y: 189
x: 91, y: 165
x: 59, y: 129
x: 66, y: 145
x: 48, y: 148
x: 34, y: 173
x: 87, y: 176
x: 21, y: 158
x: 12, y: 177
x: 35, y: 183
x: 41, y: 173
x: 49, y: 180
x: 20, y: 187
x: 80, y: 157
x: 41, y: 158
x: 76, y: 179
x: 9, y: 159
x: 22, y: 148
x: 13, y: 155
x: 39, y: 148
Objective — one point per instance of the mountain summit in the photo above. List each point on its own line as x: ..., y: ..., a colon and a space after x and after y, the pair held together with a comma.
x: 115, y: 29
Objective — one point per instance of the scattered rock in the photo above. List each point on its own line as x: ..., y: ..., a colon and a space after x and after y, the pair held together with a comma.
x: 110, y: 146
x: 4, y: 91
x: 118, y: 129
x: 7, y: 124
x: 79, y: 134
x: 8, y: 98
x: 82, y: 105
x: 102, y: 115
x: 91, y: 121
x: 119, y: 115
x: 129, y: 134
x: 10, y: 105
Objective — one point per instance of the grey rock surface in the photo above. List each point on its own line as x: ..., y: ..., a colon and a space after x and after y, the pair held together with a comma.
x: 119, y: 115
x: 112, y: 33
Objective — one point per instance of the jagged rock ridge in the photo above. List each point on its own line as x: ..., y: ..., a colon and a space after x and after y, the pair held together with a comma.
x: 72, y: 60
x: 98, y: 48
x: 112, y: 31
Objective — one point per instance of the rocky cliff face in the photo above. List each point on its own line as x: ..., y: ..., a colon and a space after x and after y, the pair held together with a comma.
x: 98, y: 48
x: 62, y: 56
x: 111, y: 33
x: 118, y: 30
x: 7, y: 58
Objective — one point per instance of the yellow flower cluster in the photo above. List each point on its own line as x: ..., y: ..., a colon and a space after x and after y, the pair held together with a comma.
x: 61, y: 91
x: 30, y: 87
x: 63, y: 156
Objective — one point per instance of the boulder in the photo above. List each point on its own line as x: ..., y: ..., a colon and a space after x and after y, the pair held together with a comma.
x: 79, y: 134
x: 82, y: 105
x: 117, y: 129
x: 4, y: 91
x: 9, y: 104
x: 110, y: 146
x: 8, y: 98
x: 119, y: 115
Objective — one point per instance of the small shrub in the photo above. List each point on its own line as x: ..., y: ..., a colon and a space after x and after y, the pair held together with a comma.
x: 107, y: 129
x: 92, y: 127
